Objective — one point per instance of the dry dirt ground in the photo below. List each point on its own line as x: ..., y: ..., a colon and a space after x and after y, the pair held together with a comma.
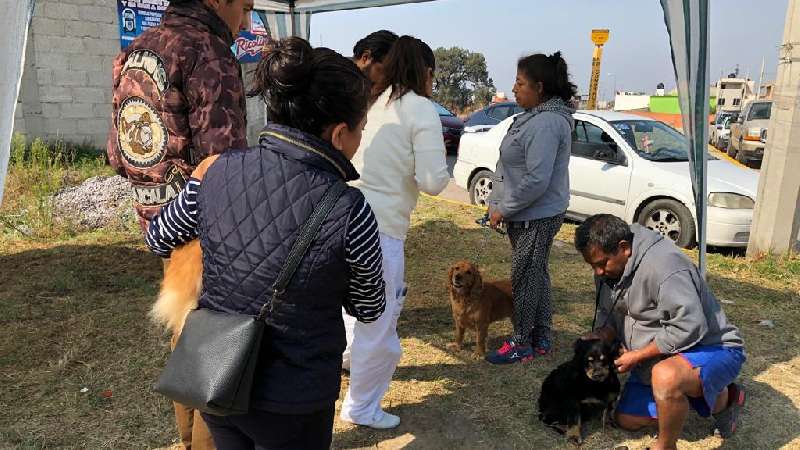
x: 78, y: 356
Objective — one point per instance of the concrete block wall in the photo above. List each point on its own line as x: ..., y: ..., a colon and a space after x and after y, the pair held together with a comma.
x: 66, y: 87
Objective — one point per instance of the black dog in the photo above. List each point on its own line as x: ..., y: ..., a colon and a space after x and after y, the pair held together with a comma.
x: 580, y: 389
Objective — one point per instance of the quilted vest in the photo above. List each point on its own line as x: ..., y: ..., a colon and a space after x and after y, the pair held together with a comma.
x: 251, y: 205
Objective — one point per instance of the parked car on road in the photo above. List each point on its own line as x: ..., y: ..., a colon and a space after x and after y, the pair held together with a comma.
x: 632, y: 167
x: 720, y: 129
x: 492, y: 114
x: 745, y: 140
x: 452, y: 128
x: 723, y: 134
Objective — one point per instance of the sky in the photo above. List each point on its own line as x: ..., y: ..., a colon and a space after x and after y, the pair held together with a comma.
x: 636, y: 57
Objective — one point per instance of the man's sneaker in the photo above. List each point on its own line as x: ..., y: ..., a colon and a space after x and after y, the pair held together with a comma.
x: 725, y: 421
x: 511, y: 353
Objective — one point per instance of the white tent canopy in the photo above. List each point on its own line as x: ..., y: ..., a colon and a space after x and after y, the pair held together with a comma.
x: 317, y: 6
x: 686, y: 21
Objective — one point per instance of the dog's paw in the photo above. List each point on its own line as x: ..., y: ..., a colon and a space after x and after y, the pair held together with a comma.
x: 455, y: 347
x: 574, y: 435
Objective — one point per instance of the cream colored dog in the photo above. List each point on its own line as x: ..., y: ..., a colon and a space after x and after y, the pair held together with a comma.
x: 180, y: 290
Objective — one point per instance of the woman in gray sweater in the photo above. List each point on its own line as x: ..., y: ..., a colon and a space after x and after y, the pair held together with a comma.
x: 530, y: 195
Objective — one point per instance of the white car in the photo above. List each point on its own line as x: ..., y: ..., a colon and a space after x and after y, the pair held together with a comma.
x: 634, y: 168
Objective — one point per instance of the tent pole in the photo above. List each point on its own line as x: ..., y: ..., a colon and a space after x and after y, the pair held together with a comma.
x: 291, y: 17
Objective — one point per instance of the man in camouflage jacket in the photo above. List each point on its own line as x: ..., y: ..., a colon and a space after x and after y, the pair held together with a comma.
x: 178, y: 98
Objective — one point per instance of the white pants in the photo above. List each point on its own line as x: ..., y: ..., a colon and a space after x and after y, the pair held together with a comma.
x: 373, y: 349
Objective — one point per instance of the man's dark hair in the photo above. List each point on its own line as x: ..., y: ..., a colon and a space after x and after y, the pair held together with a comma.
x: 603, y: 231
x: 378, y: 43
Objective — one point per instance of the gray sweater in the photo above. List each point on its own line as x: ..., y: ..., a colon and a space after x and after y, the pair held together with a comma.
x: 532, y: 177
x: 663, y: 299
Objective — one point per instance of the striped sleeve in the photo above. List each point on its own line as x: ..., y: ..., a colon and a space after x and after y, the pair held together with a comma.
x: 176, y: 223
x: 366, y: 298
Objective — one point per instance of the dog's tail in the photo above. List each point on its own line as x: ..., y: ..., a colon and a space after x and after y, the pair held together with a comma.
x: 180, y: 290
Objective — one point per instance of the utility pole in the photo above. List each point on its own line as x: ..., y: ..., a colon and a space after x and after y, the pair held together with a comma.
x: 760, y: 79
x: 776, y: 219
x: 599, y: 37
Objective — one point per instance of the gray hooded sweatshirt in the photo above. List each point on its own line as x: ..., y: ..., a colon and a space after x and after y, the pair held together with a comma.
x: 661, y: 298
x: 532, y: 177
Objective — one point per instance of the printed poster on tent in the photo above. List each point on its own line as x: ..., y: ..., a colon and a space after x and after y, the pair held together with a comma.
x: 138, y: 16
x: 250, y: 43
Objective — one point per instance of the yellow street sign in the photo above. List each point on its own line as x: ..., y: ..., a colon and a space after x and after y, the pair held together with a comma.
x: 599, y: 37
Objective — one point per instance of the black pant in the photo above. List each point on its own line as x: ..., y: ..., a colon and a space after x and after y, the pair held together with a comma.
x: 260, y: 430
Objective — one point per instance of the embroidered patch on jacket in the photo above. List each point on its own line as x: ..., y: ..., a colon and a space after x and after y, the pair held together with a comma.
x: 160, y: 194
x: 151, y: 64
x: 142, y: 136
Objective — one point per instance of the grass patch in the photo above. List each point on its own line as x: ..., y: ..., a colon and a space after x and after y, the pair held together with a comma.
x: 37, y: 170
x: 73, y: 315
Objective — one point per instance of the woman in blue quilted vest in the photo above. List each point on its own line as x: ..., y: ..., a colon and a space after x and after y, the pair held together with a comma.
x: 246, y: 207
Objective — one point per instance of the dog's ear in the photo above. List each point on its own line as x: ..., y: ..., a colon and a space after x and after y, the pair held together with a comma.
x: 450, y: 275
x: 578, y: 346
x: 477, y: 284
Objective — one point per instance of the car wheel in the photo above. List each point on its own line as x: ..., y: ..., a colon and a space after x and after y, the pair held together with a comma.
x: 730, y: 150
x: 480, y: 187
x: 670, y: 219
x: 741, y: 158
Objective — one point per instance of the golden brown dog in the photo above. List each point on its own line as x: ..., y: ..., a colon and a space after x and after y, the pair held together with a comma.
x: 476, y: 303
x: 180, y: 290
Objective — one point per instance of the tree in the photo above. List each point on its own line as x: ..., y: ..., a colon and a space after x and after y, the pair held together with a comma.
x: 461, y: 79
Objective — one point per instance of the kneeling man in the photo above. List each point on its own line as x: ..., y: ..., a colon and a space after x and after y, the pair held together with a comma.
x: 678, y: 344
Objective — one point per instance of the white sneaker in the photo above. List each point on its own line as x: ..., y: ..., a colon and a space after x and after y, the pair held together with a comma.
x: 386, y: 422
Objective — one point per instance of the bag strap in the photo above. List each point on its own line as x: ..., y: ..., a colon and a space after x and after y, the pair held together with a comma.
x: 301, y: 245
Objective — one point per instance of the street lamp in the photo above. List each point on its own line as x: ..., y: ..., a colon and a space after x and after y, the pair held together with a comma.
x: 614, y: 92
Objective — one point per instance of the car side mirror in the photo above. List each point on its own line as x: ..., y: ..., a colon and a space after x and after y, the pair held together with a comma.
x: 740, y: 120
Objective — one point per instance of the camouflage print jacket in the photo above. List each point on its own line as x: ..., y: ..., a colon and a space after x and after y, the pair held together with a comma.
x: 178, y: 98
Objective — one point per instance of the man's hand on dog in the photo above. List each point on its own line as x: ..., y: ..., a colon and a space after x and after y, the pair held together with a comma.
x: 627, y: 361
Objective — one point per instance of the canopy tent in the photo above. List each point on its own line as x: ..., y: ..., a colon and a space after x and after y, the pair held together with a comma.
x: 686, y: 21
x: 15, y: 21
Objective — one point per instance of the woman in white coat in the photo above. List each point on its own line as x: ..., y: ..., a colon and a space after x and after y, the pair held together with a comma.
x: 402, y: 153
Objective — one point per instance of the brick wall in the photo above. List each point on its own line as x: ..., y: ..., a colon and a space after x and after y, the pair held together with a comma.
x: 66, y: 86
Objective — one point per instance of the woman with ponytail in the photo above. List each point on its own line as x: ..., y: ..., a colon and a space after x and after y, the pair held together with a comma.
x: 531, y: 194
x: 247, y: 207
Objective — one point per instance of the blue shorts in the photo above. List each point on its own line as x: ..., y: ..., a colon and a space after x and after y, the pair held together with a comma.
x: 719, y: 367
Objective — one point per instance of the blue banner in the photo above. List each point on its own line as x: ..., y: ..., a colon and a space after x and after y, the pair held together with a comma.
x: 137, y: 16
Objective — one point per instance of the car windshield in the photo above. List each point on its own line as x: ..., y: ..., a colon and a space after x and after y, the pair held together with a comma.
x: 760, y: 111
x: 442, y: 110
x: 654, y: 140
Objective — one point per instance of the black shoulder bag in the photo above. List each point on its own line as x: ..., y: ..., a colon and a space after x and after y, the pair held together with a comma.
x: 212, y: 366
